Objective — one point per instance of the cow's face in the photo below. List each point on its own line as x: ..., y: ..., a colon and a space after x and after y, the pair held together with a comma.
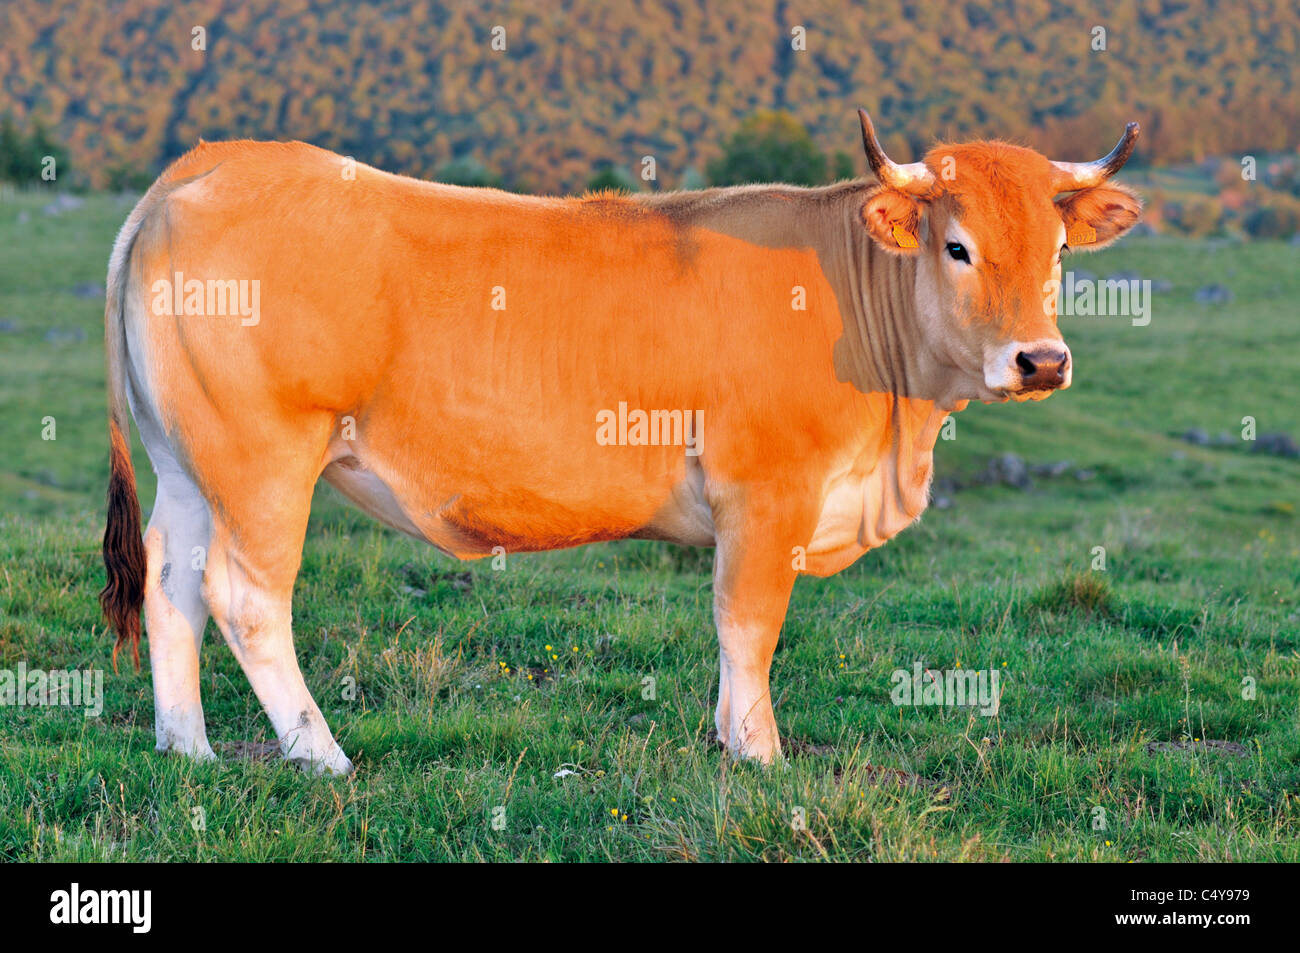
x: 987, y: 224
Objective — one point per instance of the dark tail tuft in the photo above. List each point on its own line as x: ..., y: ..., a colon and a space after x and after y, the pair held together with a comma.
x: 124, y: 556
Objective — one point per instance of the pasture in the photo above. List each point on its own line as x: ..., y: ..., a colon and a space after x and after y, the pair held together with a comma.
x: 461, y: 691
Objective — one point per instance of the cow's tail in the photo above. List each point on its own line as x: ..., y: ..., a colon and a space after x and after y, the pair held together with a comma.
x: 124, y: 554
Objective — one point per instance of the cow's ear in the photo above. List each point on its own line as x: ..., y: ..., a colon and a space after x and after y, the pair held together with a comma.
x: 1097, y: 216
x: 893, y: 219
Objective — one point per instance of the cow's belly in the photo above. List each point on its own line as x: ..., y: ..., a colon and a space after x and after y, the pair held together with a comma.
x: 469, y: 515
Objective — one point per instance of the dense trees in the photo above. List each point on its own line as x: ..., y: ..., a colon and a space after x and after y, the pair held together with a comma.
x: 30, y: 156
x: 540, y: 94
x: 769, y: 146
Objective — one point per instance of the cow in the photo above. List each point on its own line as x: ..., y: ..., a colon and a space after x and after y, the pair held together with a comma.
x: 760, y: 369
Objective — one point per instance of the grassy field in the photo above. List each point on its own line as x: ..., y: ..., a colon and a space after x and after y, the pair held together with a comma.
x: 475, y: 687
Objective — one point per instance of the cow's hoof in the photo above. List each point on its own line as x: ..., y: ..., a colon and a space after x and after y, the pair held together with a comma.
x: 754, y: 740
x: 334, y: 764
x: 764, y: 753
x: 195, y: 750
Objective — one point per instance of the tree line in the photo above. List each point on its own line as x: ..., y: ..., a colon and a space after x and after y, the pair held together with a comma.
x: 539, y: 95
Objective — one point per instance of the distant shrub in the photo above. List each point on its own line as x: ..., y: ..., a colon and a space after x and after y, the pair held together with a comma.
x: 24, y: 156
x: 612, y: 177
x: 1196, y: 216
x: 468, y: 171
x: 769, y: 146
x: 692, y: 178
x: 1284, y: 175
x: 1277, y: 217
x: 125, y: 178
x: 1085, y: 592
x: 842, y: 166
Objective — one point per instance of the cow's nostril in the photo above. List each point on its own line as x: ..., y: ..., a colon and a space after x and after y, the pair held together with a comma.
x: 1042, y: 369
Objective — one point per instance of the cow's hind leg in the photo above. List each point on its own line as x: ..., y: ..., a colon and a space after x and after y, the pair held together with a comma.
x: 259, y: 523
x: 176, y: 543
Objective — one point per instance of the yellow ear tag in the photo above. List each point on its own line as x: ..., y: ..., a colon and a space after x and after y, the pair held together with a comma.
x: 904, y: 238
x: 1080, y: 233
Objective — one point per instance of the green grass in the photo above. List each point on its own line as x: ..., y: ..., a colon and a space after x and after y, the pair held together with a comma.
x: 1202, y: 549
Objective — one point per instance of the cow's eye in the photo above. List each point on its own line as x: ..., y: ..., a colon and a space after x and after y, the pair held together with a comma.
x: 957, y: 251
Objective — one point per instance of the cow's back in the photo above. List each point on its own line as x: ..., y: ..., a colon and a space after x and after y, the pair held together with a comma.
x: 474, y: 336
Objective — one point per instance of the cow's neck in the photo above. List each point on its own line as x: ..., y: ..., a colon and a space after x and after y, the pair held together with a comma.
x: 881, y: 353
x: 879, y: 350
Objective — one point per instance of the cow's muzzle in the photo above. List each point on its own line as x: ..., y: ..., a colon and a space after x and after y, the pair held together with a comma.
x: 1043, y: 368
x: 1026, y: 370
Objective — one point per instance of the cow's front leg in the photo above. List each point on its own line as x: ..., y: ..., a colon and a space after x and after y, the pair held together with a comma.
x: 753, y: 575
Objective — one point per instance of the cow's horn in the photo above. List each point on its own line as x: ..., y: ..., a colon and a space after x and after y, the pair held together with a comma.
x: 914, y: 177
x: 1072, y: 176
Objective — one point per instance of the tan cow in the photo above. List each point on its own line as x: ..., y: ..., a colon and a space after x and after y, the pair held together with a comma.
x: 762, y: 369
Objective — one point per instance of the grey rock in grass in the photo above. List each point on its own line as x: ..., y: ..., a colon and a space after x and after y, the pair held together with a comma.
x: 1277, y: 444
x: 65, y: 336
x: 1198, y: 436
x: 1213, y: 294
x: 1007, y: 469
x: 1059, y: 468
x: 1158, y: 285
x: 62, y: 203
x: 87, y: 289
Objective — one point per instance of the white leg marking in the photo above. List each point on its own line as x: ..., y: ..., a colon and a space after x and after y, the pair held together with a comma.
x: 750, y: 722
x: 175, y: 613
x: 257, y: 625
x: 722, y: 714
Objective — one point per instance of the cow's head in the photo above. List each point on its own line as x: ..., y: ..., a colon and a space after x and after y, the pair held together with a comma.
x: 987, y: 223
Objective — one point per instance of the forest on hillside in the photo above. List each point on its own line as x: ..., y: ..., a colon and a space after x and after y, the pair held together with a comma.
x: 418, y: 86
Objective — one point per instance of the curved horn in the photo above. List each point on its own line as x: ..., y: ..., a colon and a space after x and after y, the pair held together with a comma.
x: 1072, y: 176
x: 914, y: 177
